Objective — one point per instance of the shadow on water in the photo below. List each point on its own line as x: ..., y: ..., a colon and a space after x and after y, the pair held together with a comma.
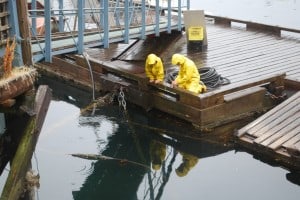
x: 152, y: 139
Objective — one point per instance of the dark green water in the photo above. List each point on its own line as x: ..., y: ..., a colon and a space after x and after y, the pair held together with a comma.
x: 151, y: 159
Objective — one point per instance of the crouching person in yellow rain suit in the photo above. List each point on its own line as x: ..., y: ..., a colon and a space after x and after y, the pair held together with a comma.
x: 154, y: 68
x: 188, y: 77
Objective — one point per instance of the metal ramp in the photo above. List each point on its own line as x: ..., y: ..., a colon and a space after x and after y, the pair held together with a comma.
x: 278, y: 131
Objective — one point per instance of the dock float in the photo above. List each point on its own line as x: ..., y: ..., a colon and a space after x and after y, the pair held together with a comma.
x: 277, y: 132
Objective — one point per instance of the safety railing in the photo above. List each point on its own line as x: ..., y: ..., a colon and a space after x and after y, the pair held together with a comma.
x: 111, y: 21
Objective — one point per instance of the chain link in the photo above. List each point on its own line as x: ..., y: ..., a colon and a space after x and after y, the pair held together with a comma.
x: 121, y: 99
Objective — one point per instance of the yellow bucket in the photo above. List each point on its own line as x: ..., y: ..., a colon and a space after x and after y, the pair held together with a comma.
x: 195, y: 33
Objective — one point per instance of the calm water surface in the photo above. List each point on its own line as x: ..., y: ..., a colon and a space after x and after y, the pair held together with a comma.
x: 211, y: 167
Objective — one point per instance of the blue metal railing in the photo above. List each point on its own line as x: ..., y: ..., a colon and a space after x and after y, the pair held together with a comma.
x: 125, y: 18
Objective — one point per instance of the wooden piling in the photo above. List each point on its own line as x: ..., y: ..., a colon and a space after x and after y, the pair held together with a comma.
x: 14, y: 186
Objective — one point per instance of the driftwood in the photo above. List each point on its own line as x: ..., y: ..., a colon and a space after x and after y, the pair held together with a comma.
x: 101, y: 157
x: 15, y: 183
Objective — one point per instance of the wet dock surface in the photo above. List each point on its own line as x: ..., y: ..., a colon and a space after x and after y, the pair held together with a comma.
x: 234, y: 52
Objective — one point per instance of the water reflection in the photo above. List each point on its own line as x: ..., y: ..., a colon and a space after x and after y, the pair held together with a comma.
x: 168, y: 151
x: 142, y: 139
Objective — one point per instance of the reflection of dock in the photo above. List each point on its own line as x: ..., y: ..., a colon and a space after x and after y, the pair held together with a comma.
x: 277, y: 132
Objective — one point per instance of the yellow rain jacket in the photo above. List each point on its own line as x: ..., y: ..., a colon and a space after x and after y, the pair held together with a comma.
x: 154, y: 68
x: 188, y: 77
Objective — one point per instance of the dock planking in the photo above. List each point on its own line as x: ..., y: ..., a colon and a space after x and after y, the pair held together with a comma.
x: 277, y: 132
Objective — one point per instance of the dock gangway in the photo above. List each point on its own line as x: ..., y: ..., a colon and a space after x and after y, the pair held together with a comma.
x: 73, y: 25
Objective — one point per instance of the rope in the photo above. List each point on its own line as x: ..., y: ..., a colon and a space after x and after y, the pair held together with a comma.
x: 208, y: 76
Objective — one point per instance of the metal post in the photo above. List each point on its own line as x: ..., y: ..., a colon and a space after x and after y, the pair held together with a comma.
x: 61, y: 16
x: 143, y: 35
x: 157, y: 9
x: 188, y: 5
x: 117, y: 13
x: 179, y: 16
x: 48, y: 47
x: 169, y: 16
x: 101, y: 4
x: 81, y: 25
x: 105, y: 24
x: 33, y: 19
x: 126, y: 25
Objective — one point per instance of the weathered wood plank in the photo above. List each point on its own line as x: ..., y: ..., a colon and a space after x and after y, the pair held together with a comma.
x: 285, y: 137
x: 240, y: 105
x: 24, y: 33
x: 278, y: 118
x: 252, y: 25
x: 267, y: 115
x: 209, y: 99
x: 292, y: 141
x: 279, y: 130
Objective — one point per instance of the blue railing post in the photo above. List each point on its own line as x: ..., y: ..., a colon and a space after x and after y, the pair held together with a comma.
x: 48, y: 47
x: 157, y: 9
x: 117, y: 13
x: 105, y: 24
x: 33, y: 19
x: 81, y: 26
x: 188, y: 5
x: 169, y: 16
x: 143, y: 36
x: 179, y: 16
x: 126, y: 21
x: 61, y: 16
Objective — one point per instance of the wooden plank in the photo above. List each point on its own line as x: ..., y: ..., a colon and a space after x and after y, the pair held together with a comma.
x: 286, y: 67
x: 24, y: 33
x: 72, y: 71
x: 209, y: 99
x: 278, y: 118
x: 292, y: 141
x: 286, y: 137
x: 252, y: 25
x: 283, y: 129
x: 255, y: 62
x: 279, y: 107
x: 236, y: 107
x: 294, y: 150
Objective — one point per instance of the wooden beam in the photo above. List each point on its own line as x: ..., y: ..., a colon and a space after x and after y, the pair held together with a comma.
x: 24, y: 32
x: 14, y: 185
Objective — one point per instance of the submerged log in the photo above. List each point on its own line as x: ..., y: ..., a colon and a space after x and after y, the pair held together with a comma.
x: 15, y: 183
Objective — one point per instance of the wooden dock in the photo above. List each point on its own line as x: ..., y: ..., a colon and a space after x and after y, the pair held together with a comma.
x: 277, y: 132
x: 259, y: 65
